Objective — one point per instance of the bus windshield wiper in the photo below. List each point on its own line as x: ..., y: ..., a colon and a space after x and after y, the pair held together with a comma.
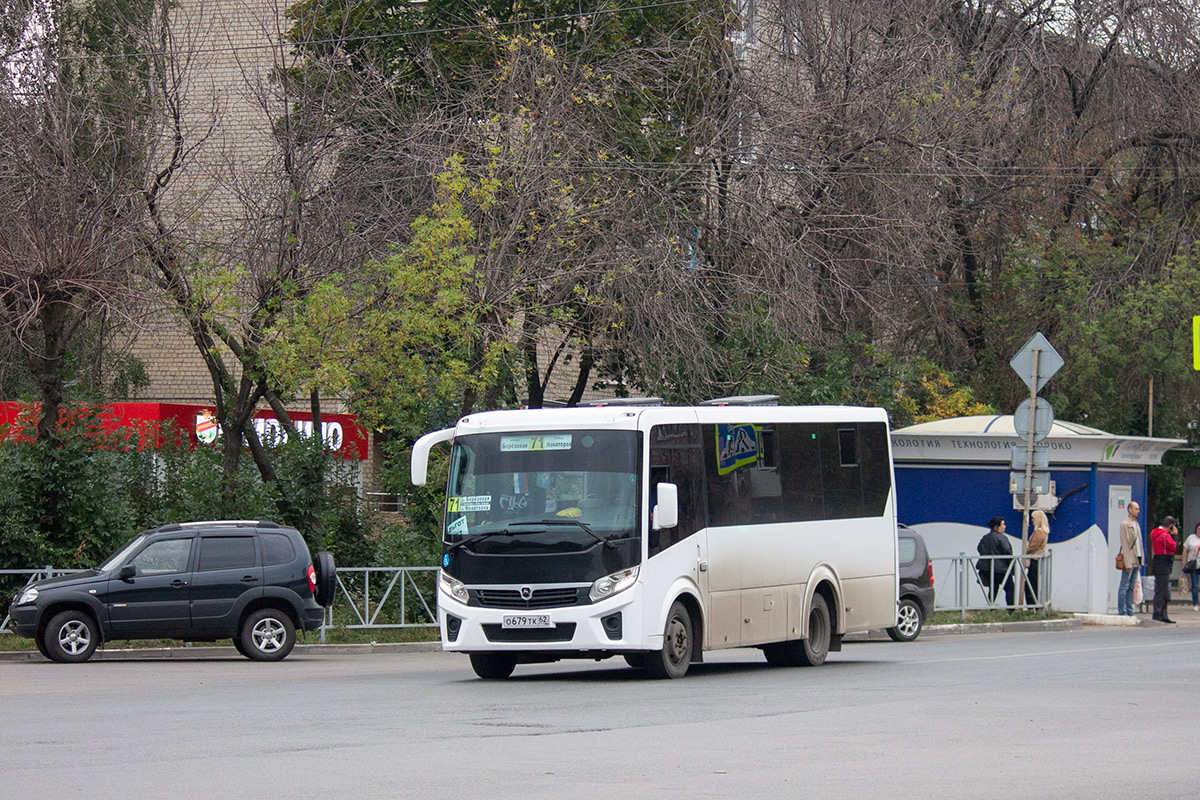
x: 483, y: 535
x: 575, y: 522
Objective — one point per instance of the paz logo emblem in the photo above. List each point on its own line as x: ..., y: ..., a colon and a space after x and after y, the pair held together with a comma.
x: 206, y: 428
x: 526, y: 592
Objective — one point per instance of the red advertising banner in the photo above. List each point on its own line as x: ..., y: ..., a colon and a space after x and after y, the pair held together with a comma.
x: 142, y: 425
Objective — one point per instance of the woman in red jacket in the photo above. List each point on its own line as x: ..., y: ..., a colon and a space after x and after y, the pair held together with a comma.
x: 1163, y: 544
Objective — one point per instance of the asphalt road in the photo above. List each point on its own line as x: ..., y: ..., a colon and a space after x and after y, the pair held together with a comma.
x: 1107, y: 712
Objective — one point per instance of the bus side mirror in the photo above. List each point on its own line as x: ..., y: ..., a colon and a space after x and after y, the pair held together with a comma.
x: 419, y: 465
x: 666, y: 511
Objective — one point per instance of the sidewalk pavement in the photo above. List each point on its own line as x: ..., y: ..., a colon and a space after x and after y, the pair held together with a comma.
x: 1183, y: 614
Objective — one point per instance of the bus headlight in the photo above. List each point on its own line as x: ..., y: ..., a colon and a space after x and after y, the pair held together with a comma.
x: 612, y: 584
x: 454, y: 588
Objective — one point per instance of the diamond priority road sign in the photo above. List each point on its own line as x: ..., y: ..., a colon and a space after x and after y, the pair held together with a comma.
x: 1049, y: 362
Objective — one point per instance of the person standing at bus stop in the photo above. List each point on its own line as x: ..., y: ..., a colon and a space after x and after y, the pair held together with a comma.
x: 1191, y: 558
x: 1163, y: 545
x: 1035, y: 546
x: 1131, y: 559
x: 995, y: 569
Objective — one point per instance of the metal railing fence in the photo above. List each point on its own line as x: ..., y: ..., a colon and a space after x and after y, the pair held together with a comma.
x: 966, y: 582
x: 407, y: 587
x: 366, y: 597
x: 30, y: 575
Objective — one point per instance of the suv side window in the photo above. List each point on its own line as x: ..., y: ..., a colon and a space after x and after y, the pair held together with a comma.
x: 277, y: 549
x: 908, y: 549
x: 226, y: 552
x: 163, y: 557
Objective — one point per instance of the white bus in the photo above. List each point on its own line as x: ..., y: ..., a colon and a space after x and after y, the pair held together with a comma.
x: 658, y: 533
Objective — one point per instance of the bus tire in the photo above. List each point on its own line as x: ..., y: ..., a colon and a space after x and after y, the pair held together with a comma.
x: 815, y: 648
x: 782, y: 654
x: 636, y: 660
x: 493, y: 666
x: 676, y: 654
x: 808, y: 652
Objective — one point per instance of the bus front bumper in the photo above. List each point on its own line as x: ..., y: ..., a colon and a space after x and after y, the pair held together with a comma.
x: 610, y: 625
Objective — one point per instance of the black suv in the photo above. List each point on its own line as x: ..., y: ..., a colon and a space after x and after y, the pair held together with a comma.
x: 196, y: 581
x: 916, y: 586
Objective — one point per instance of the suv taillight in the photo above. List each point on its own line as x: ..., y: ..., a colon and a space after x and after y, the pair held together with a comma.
x: 928, y: 567
x: 312, y: 579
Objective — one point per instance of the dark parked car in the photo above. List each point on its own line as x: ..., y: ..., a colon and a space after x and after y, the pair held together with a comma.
x: 916, y: 586
x: 196, y: 581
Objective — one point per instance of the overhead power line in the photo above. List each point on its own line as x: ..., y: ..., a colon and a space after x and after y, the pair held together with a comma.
x: 367, y: 37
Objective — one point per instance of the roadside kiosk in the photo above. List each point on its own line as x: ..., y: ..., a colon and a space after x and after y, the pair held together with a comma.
x: 952, y: 476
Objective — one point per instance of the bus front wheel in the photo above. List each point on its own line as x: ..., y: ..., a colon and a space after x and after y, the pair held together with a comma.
x: 493, y: 666
x: 676, y: 654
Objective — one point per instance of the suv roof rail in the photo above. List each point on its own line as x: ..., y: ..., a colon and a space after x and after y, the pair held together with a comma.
x: 232, y: 523
x: 743, y: 400
x: 624, y: 401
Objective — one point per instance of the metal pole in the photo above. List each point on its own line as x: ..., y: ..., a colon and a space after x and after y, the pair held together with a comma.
x: 963, y: 586
x: 1150, y: 431
x: 1033, y: 398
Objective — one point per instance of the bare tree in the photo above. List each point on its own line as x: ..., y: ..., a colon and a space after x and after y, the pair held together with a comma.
x: 76, y: 119
x: 281, y: 207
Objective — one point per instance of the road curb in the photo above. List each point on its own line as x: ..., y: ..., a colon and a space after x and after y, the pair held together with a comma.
x: 1023, y: 626
x: 1116, y: 620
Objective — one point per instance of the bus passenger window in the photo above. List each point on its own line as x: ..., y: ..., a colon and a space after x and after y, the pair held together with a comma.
x: 848, y: 446
x: 768, y: 452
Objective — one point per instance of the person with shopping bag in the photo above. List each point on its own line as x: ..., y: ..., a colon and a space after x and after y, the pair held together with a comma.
x: 1129, y: 560
x: 1191, y: 565
x: 1163, y: 545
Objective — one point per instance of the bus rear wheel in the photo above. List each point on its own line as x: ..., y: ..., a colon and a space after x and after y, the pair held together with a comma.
x: 676, y: 654
x: 493, y: 666
x: 820, y: 633
x: 808, y: 652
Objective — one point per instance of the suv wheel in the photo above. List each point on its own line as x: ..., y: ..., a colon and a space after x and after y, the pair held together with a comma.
x: 71, y: 637
x: 237, y: 645
x: 268, y: 635
x: 908, y: 621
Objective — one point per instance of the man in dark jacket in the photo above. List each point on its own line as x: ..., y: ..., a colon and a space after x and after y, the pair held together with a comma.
x: 994, y: 570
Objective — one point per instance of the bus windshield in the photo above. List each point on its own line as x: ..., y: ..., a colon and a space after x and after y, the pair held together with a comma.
x: 542, y: 491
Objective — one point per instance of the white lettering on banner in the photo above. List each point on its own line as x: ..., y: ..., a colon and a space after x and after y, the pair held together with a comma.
x: 907, y: 443
x: 271, y: 433
x: 1063, y: 451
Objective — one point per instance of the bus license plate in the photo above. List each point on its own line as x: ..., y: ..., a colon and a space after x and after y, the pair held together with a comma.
x: 526, y: 621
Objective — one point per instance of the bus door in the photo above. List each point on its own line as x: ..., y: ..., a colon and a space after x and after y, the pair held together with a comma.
x: 676, y: 457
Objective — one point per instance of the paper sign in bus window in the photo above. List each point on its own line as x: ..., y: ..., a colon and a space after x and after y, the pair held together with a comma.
x: 482, y: 502
x: 458, y: 527
x: 522, y: 444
